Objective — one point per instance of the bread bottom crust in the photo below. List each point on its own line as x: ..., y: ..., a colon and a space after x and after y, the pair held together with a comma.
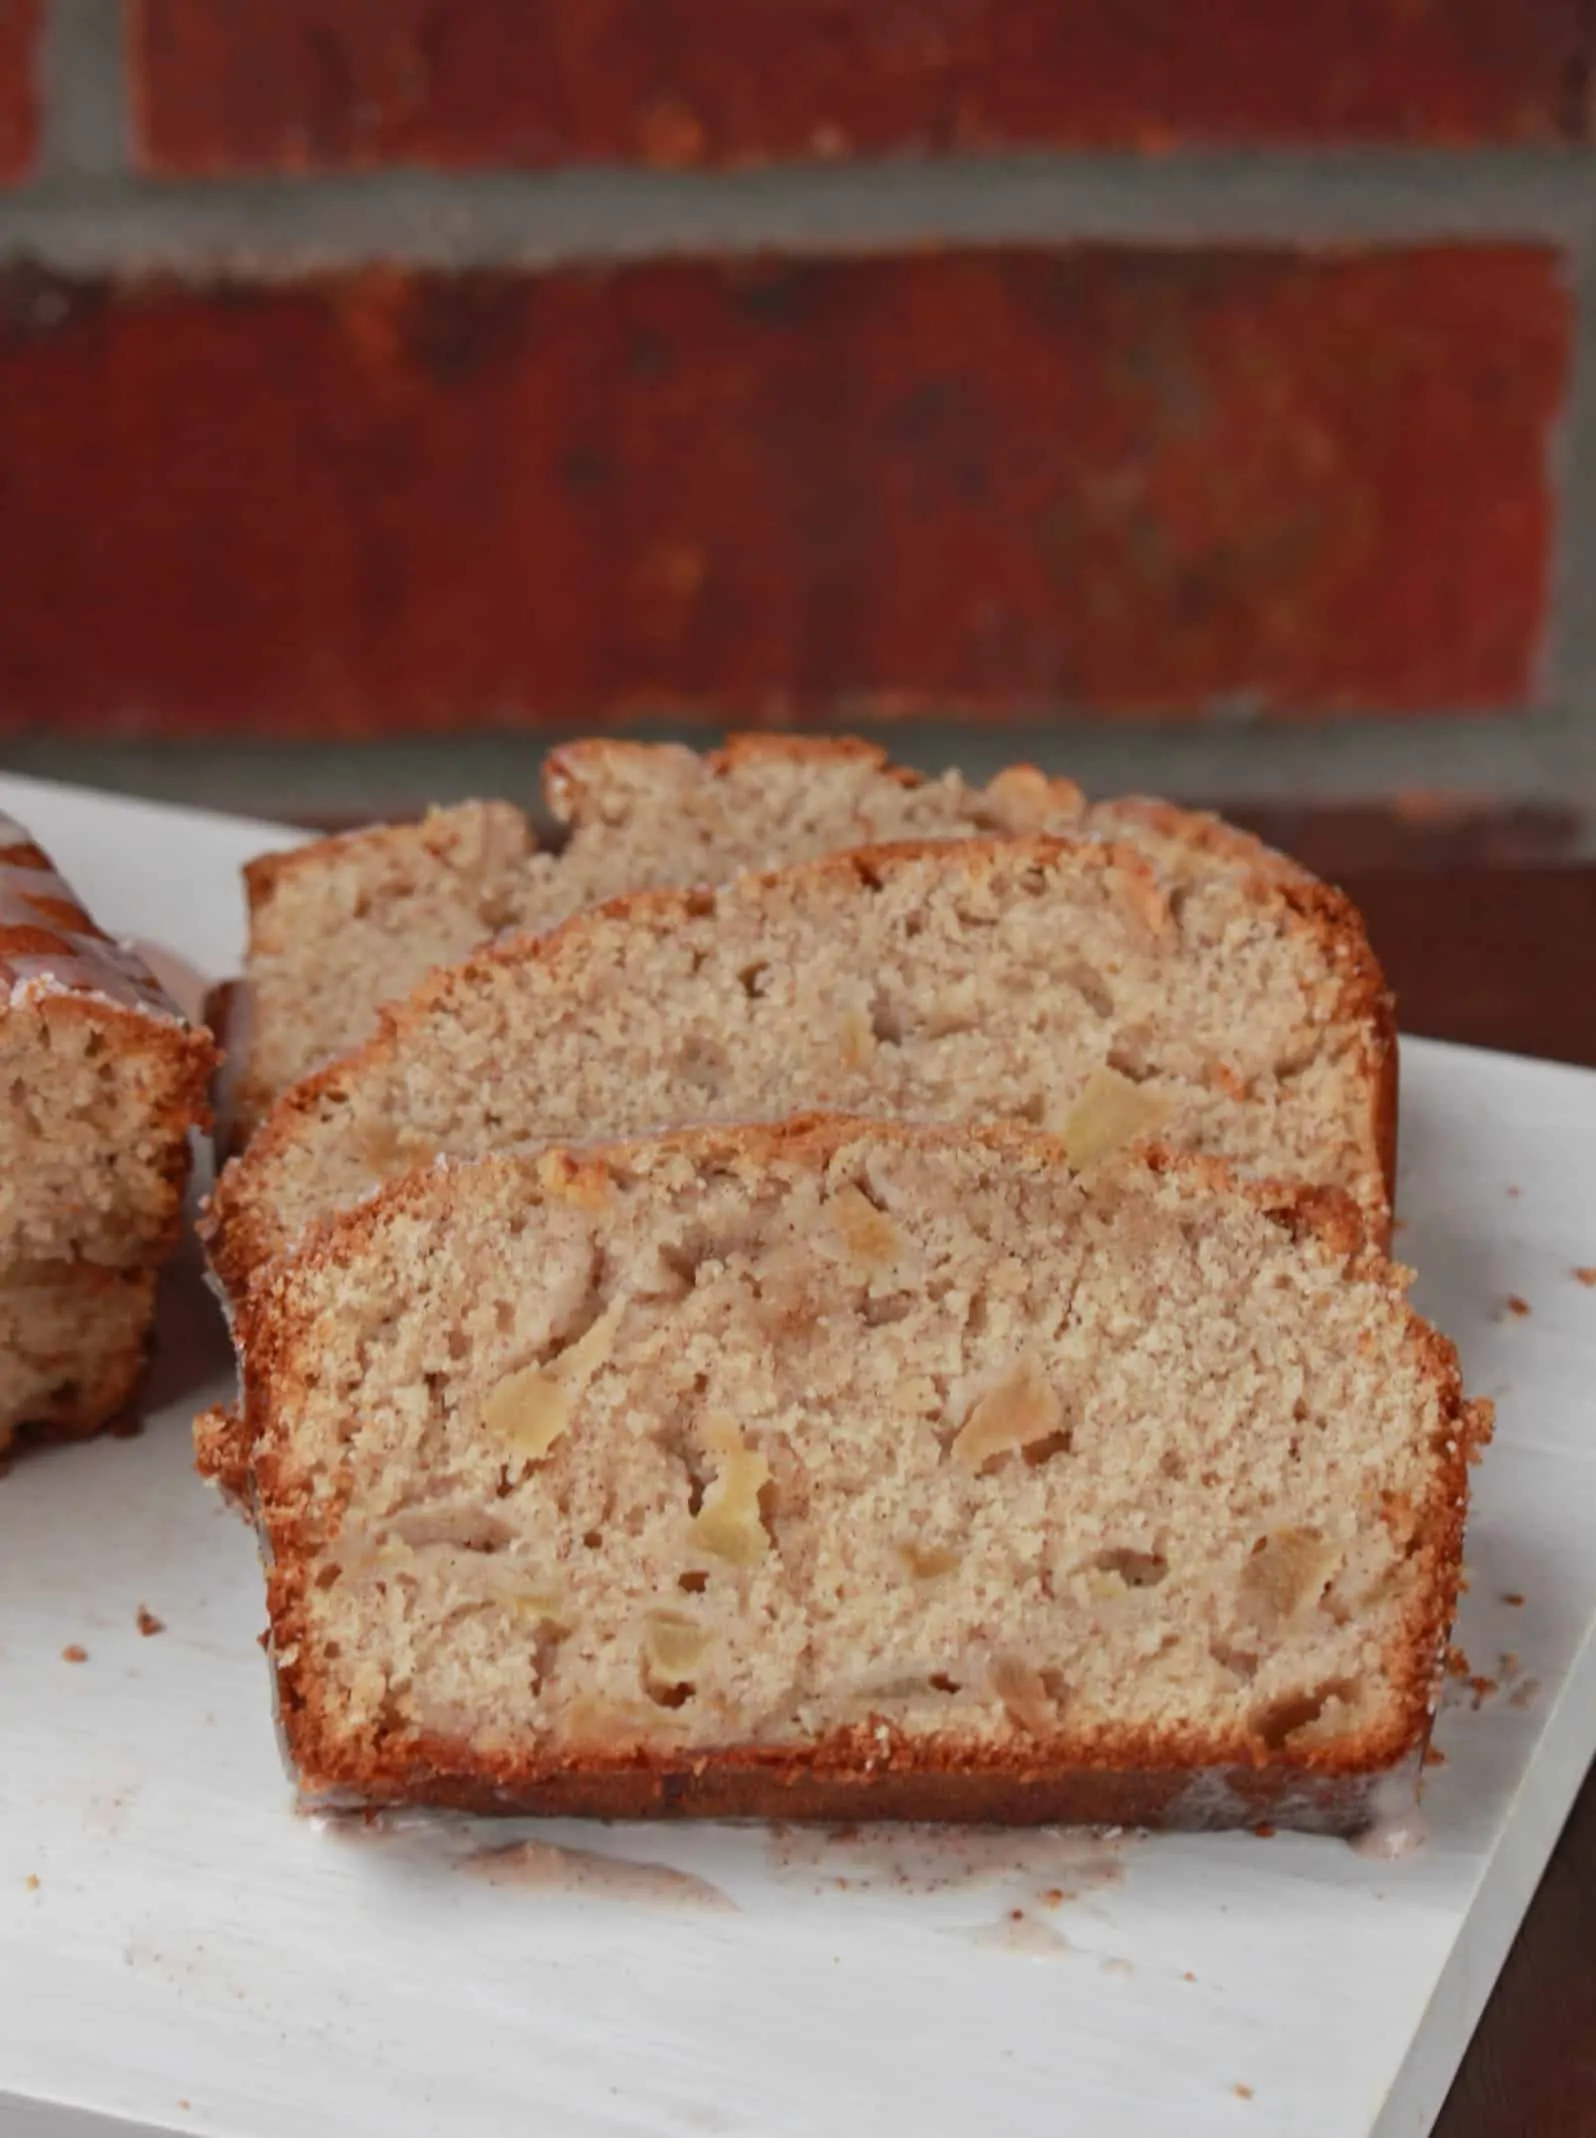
x: 1188, y: 1799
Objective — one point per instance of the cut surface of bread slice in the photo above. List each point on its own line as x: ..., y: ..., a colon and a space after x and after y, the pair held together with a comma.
x: 344, y: 925
x: 853, y: 1469
x: 999, y: 979
x: 101, y: 1081
x: 73, y: 1338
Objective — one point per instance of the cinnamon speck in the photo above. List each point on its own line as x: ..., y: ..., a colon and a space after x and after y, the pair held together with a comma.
x: 1264, y: 1832
x: 1517, y: 1307
x: 31, y: 1882
x: 1016, y: 1915
x: 1585, y: 1273
x: 1482, y: 1689
x: 148, y: 1623
x: 1513, y: 1599
x: 1515, y: 1193
x: 1188, y: 1976
x: 1243, y: 2093
x: 73, y: 1653
x: 1052, y: 1898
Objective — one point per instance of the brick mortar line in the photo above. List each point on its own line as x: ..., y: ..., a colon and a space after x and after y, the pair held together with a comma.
x: 273, y: 227
x: 84, y: 77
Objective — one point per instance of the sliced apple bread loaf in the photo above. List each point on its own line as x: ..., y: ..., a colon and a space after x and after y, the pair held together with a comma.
x: 853, y: 1469
x: 1038, y: 979
x: 343, y: 925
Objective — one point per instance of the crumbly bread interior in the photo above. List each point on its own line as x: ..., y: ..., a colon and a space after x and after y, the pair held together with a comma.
x: 72, y: 1342
x: 343, y: 925
x: 351, y: 923
x: 753, y: 1438
x: 94, y: 1105
x: 1014, y: 979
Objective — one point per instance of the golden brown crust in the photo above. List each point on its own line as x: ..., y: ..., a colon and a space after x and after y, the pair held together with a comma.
x: 791, y: 1791
x: 1202, y: 831
x: 1137, y: 1776
x: 568, y: 769
x: 238, y: 1241
x: 1368, y: 1009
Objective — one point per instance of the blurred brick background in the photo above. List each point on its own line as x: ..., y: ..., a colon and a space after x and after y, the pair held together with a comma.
x: 1200, y: 390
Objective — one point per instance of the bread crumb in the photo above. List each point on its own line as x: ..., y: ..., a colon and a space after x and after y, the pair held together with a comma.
x: 1264, y: 1832
x: 31, y: 1882
x: 1515, y: 1193
x: 1482, y: 1689
x: 1188, y: 1976
x: 1434, y: 1756
x: 1524, y: 1692
x: 1516, y: 1306
x: 1514, y: 1598
x: 1052, y: 1898
x: 72, y: 1653
x: 1243, y: 2093
x: 148, y: 1623
x: 1585, y: 1273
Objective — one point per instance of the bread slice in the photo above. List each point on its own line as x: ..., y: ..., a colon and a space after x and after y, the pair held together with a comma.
x: 1036, y: 979
x: 339, y: 927
x: 853, y: 1469
x: 73, y: 1338
x: 101, y: 1081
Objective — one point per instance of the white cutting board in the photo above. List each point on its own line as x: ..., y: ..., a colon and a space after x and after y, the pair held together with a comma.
x: 196, y: 1957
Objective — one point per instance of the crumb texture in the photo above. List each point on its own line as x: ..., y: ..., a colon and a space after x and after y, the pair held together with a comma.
x: 907, y: 1442
x: 1036, y: 980
x: 348, y: 924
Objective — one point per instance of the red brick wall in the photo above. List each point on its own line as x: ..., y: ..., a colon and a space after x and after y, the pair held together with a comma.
x: 330, y: 83
x: 297, y: 482
x: 995, y: 481
x: 20, y: 24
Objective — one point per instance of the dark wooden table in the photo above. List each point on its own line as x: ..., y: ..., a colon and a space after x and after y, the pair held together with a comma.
x: 1507, y: 958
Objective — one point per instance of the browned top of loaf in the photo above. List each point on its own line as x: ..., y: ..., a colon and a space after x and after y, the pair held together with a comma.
x: 579, y: 780
x: 1326, y: 1223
